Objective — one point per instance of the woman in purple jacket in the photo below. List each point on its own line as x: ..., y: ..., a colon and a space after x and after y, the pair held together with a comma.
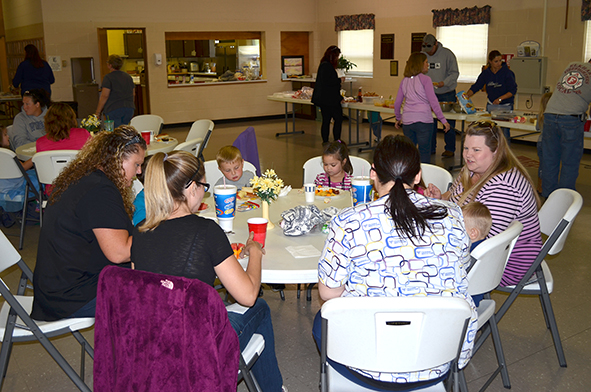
x: 417, y: 91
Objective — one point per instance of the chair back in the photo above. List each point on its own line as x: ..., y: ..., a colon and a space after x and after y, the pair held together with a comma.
x: 147, y: 122
x: 9, y: 256
x: 436, y: 175
x: 213, y: 173
x: 557, y: 216
x: 136, y: 187
x: 246, y: 142
x: 191, y: 146
x: 152, y: 327
x: 360, y: 166
x: 491, y: 258
x: 400, y: 334
x: 8, y: 167
x: 49, y: 164
x: 202, y: 129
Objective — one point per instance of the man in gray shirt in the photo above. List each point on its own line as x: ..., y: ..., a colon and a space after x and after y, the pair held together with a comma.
x: 444, y: 72
x: 564, y: 127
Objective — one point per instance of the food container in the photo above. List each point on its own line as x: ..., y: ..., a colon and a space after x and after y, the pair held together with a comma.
x: 502, y: 115
x: 370, y: 100
x: 457, y: 107
x: 446, y: 106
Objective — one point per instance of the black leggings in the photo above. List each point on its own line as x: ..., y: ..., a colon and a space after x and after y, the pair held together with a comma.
x: 331, y: 112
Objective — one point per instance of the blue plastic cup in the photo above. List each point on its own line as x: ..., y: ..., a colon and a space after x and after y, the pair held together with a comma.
x: 225, y: 201
x: 360, y: 189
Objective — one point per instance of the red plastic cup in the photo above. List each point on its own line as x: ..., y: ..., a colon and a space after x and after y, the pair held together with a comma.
x: 259, y: 227
x: 146, y: 136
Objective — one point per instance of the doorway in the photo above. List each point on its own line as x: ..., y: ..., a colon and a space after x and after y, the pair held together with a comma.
x: 130, y: 44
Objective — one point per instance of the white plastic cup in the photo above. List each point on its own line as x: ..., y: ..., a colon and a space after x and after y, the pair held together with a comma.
x: 360, y: 190
x: 227, y: 224
x: 225, y: 201
x: 310, y: 191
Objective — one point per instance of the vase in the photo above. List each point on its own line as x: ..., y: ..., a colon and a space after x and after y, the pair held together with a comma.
x: 270, y: 224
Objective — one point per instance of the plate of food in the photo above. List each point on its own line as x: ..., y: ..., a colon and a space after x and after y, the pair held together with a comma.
x: 246, y: 193
x: 323, y: 192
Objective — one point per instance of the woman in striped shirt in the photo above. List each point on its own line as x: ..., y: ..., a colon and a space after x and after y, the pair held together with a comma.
x: 493, y: 176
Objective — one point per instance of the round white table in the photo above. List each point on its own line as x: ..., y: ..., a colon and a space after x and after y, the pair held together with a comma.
x: 279, y: 266
x: 26, y: 151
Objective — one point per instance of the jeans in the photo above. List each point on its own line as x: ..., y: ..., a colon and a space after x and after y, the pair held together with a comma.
x: 506, y: 106
x: 420, y: 134
x: 562, y: 148
x: 87, y: 310
x: 121, y: 116
x: 257, y: 319
x: 450, y: 136
x: 331, y: 112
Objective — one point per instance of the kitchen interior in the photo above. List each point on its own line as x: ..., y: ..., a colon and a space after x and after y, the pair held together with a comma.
x: 197, y: 61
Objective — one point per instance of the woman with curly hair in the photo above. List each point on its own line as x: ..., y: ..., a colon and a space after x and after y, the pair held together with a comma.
x: 87, y: 224
x: 61, y: 128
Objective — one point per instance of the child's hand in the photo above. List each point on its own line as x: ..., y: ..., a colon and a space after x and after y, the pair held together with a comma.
x: 433, y: 191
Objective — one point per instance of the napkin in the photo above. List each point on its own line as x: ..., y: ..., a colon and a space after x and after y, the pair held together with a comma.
x: 285, y: 191
x: 304, y: 251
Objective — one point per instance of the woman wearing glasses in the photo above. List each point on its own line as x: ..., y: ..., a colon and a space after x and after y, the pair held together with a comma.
x: 493, y: 176
x: 174, y: 241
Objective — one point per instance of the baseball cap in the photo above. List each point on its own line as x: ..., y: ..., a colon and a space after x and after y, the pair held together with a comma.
x: 429, y: 41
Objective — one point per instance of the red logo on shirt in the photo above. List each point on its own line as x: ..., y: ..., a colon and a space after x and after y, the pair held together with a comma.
x: 572, y: 80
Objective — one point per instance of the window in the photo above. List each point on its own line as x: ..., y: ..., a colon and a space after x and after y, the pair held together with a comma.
x: 587, y: 46
x: 470, y: 45
x: 357, y: 47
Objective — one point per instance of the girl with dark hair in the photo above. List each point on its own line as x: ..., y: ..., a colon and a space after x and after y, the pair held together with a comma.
x: 403, y: 244
x: 327, y: 93
x: 337, y: 167
x: 33, y: 72
x: 418, y: 94
x: 87, y: 224
x: 500, y: 85
x: 29, y: 124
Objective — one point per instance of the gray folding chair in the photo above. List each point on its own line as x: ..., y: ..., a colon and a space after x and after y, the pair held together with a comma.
x: 556, y: 219
x: 17, y: 326
x: 191, y: 146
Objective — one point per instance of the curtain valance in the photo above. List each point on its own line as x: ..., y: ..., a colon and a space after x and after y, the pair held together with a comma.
x: 465, y: 16
x: 355, y: 22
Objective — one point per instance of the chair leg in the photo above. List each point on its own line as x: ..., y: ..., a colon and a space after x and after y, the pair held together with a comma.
x: 496, y: 338
x: 549, y: 312
x: 309, y: 292
x: 23, y: 221
x: 282, y: 295
x: 544, y: 311
x: 6, y: 346
x: 462, y: 379
x: 85, y: 348
x: 251, y: 383
x: 299, y: 289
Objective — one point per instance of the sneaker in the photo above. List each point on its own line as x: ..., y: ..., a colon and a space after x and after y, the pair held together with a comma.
x: 283, y: 388
x: 277, y: 287
x: 447, y: 154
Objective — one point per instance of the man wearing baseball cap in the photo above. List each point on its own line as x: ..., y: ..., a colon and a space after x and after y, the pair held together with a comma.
x: 444, y: 72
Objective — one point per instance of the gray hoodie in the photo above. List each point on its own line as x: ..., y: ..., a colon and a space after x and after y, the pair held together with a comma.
x: 443, y: 66
x: 26, y: 129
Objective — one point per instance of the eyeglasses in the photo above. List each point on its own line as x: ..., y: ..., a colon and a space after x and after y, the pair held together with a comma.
x: 205, y: 185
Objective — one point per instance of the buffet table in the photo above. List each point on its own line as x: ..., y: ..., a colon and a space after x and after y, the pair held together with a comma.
x: 279, y: 266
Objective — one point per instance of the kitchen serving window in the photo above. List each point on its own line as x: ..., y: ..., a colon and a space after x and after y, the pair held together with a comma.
x: 470, y: 45
x: 194, y: 58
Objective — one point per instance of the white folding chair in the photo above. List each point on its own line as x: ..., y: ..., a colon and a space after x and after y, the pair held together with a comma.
x: 136, y: 187
x: 201, y: 129
x: 11, y: 168
x: 48, y: 165
x: 491, y: 257
x: 556, y: 219
x: 361, y: 167
x: 390, y: 334
x: 17, y: 326
x: 192, y: 146
x: 213, y: 173
x: 248, y: 358
x: 148, y: 122
x: 436, y: 175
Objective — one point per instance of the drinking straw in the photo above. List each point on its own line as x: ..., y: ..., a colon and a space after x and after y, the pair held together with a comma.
x: 224, y: 177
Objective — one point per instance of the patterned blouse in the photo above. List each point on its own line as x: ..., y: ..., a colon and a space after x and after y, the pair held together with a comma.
x: 364, y: 253
x: 323, y: 179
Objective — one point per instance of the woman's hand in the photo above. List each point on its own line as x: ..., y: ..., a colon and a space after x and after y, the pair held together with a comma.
x: 251, y: 246
x: 398, y: 124
x: 446, y: 127
x: 433, y: 191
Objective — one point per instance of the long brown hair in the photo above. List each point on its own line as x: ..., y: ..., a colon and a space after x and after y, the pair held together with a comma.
x: 166, y: 178
x: 59, y: 119
x: 339, y: 149
x: 331, y: 55
x: 415, y: 64
x: 32, y: 54
x: 106, y: 152
x: 504, y: 160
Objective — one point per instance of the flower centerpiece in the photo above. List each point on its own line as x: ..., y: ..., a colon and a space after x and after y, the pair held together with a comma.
x: 91, y: 123
x: 267, y: 187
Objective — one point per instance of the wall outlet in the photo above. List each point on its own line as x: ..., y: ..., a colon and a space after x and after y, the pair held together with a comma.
x: 546, y: 89
x: 527, y: 102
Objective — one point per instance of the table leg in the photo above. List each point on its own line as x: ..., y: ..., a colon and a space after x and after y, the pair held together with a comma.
x: 453, y: 167
x: 357, y: 142
x: 369, y: 147
x: 287, y: 132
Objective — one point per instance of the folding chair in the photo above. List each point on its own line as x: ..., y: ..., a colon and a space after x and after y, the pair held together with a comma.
x: 17, y: 326
x: 436, y: 175
x: 191, y: 146
x: 48, y: 165
x: 556, y: 219
x: 147, y: 122
x: 491, y: 257
x: 157, y: 332
x: 201, y: 129
x: 11, y: 168
x: 390, y: 334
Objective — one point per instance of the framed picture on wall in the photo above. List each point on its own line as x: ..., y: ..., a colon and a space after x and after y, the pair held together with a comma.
x: 292, y: 65
x: 394, y: 68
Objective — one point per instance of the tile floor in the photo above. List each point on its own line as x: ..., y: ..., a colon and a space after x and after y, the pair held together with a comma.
x: 528, y: 345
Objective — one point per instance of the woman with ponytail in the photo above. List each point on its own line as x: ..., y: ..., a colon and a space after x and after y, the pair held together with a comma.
x: 403, y: 244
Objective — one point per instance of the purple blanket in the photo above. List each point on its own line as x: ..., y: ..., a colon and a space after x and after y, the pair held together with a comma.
x: 161, y: 333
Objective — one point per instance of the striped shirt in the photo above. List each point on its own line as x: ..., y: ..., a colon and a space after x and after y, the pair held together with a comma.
x: 323, y: 179
x: 509, y: 196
